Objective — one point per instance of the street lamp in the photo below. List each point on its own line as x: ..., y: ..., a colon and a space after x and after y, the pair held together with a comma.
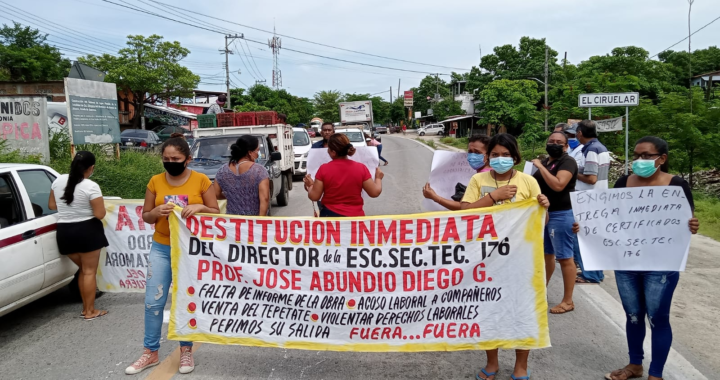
x: 546, y: 99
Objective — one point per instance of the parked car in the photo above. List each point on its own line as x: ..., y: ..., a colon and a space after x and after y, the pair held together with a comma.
x: 310, y: 132
x: 356, y: 136
x: 394, y: 129
x: 301, y: 147
x: 165, y: 131
x: 140, y: 139
x: 432, y: 129
x: 32, y: 266
x: 379, y: 128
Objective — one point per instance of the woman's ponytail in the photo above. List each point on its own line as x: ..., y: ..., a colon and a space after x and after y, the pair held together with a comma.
x: 242, y: 147
x: 341, y: 145
x: 80, y: 164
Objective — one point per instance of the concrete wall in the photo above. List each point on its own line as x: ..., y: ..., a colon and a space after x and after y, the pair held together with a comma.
x: 53, y: 89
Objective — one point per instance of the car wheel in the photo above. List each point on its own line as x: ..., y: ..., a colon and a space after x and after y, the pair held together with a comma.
x: 440, y: 133
x: 421, y: 134
x: 289, y: 181
x: 283, y: 199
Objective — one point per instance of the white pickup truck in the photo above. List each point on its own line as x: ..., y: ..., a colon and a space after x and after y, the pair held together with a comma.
x: 31, y: 265
x: 211, y: 150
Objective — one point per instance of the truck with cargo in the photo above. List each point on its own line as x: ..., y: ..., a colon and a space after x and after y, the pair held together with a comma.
x: 358, y: 113
x: 211, y: 150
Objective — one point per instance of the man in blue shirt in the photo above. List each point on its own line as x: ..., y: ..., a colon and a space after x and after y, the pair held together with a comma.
x: 327, y: 130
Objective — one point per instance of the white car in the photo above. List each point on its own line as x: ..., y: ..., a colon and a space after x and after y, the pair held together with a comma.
x: 301, y: 147
x: 432, y: 129
x: 32, y: 266
x: 356, y: 136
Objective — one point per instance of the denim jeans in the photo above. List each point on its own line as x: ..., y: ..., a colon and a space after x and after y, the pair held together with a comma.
x: 327, y: 213
x: 590, y: 275
x: 159, y: 276
x: 379, y: 149
x: 559, y: 239
x: 648, y: 293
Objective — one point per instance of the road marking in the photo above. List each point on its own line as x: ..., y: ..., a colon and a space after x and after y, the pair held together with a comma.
x: 677, y: 367
x: 169, y: 367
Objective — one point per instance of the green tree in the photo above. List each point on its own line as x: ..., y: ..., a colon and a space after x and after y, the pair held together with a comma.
x: 429, y: 86
x: 149, y: 68
x: 511, y: 103
x: 263, y: 98
x: 447, y: 107
x: 326, y: 105
x: 25, y: 55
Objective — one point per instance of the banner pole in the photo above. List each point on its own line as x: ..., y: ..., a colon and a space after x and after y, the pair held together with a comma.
x: 627, y: 136
x: 590, y: 113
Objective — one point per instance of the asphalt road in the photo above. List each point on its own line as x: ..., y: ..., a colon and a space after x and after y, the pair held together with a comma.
x: 48, y: 340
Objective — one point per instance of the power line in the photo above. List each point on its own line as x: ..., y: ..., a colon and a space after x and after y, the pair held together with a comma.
x: 243, y: 83
x: 249, y: 69
x: 307, y: 41
x: 297, y: 51
x: 32, y: 25
x: 705, y: 26
x: 253, y: 59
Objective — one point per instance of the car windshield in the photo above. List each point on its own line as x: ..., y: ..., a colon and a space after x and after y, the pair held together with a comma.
x: 354, y: 136
x: 134, y: 133
x: 218, y: 149
x: 300, y: 139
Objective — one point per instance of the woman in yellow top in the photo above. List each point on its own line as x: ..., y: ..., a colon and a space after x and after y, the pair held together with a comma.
x: 502, y: 185
x: 178, y: 186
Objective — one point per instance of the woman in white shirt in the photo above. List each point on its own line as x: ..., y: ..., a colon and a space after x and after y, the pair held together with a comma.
x: 80, y: 233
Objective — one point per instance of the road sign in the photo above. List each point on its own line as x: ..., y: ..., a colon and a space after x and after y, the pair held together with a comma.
x: 417, y: 114
x: 408, y: 96
x: 623, y: 99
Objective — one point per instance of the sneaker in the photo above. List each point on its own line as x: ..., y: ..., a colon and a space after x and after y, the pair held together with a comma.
x: 187, y: 363
x: 147, y: 360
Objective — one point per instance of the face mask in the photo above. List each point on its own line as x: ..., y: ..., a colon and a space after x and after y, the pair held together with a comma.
x: 502, y: 164
x: 644, y: 168
x: 554, y: 150
x: 174, y: 168
x: 476, y: 160
x: 574, y: 143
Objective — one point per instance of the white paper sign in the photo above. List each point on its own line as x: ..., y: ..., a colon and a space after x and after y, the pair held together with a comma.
x: 633, y: 228
x: 447, y: 169
x: 529, y: 168
x: 609, y: 125
x: 366, y: 155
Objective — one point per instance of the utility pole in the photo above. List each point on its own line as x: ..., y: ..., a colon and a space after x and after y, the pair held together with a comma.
x: 398, y: 89
x: 690, y: 56
x: 391, y: 95
x: 257, y: 81
x: 546, y: 88
x: 228, y: 38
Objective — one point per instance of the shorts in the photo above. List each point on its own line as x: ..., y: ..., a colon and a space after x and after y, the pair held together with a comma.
x: 81, y: 237
x: 559, y: 237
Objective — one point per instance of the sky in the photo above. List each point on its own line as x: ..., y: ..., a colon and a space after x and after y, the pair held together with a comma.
x: 448, y: 33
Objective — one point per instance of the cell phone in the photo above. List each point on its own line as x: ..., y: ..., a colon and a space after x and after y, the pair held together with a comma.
x: 178, y: 200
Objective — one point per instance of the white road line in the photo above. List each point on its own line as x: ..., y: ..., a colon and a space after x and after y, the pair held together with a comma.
x: 677, y: 367
x: 418, y: 142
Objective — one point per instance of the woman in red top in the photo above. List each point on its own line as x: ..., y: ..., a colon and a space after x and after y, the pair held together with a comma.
x: 340, y: 182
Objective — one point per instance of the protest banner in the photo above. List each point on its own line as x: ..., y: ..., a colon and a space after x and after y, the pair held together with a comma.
x: 633, y: 228
x: 25, y: 125
x: 447, y: 170
x: 123, y: 264
x: 609, y: 125
x: 470, y: 280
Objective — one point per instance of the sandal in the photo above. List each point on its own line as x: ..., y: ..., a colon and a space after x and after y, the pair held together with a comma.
x: 629, y: 374
x: 100, y: 314
x: 486, y: 373
x: 521, y: 377
x: 560, y: 309
x: 580, y: 280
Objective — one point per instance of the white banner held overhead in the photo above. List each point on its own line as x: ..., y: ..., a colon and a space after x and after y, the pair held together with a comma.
x: 609, y: 125
x: 633, y: 228
x: 623, y: 99
x: 447, y: 170
x: 366, y: 155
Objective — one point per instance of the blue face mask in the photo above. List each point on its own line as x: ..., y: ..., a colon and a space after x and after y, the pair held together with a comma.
x: 574, y: 143
x: 644, y: 168
x: 476, y: 160
x: 501, y: 165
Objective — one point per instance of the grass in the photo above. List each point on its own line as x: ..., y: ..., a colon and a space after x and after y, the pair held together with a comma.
x: 707, y: 210
x: 429, y: 143
x: 460, y: 143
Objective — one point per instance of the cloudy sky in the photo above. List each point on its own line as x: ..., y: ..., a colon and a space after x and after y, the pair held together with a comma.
x: 442, y: 33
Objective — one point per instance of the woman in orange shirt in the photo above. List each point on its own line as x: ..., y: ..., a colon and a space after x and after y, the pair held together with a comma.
x: 178, y: 186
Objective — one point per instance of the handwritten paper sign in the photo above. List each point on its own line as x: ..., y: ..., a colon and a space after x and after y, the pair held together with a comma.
x: 633, y: 228
x: 447, y: 169
x: 366, y: 155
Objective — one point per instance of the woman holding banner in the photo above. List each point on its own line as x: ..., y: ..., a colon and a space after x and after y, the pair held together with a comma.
x: 503, y: 185
x: 556, y: 176
x: 340, y: 182
x: 648, y: 292
x: 244, y: 184
x: 80, y: 233
x: 477, y: 151
x: 178, y: 186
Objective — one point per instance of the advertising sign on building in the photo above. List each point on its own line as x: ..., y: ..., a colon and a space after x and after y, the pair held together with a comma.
x: 92, y: 112
x: 408, y: 98
x: 25, y: 125
x: 623, y: 99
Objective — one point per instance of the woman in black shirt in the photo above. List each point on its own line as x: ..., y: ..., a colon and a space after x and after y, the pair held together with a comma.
x: 648, y: 292
x: 556, y: 176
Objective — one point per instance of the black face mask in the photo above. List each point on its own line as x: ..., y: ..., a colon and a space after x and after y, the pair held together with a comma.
x: 554, y: 150
x: 174, y: 168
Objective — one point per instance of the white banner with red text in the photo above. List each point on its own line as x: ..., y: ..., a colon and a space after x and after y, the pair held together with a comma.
x: 123, y: 264
x: 471, y: 280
